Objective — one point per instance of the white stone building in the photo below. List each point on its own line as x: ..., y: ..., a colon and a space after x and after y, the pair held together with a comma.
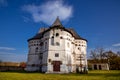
x: 57, y: 50
x: 100, y: 66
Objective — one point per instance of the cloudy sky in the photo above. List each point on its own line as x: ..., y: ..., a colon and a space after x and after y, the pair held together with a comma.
x: 96, y: 20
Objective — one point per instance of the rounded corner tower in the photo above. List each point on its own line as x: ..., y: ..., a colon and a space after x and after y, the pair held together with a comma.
x: 57, y: 50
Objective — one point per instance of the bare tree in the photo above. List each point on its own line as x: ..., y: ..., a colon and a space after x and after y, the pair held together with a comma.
x: 94, y: 55
x: 101, y: 54
x: 98, y: 55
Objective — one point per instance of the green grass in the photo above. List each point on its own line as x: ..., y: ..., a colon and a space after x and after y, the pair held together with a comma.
x: 92, y: 75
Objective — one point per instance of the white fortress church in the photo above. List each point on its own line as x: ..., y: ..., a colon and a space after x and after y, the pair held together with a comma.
x: 57, y: 50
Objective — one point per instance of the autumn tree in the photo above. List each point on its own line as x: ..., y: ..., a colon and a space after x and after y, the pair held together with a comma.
x: 113, y: 60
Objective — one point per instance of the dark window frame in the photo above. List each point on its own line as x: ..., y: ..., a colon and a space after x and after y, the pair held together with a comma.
x: 57, y: 34
x: 56, y: 54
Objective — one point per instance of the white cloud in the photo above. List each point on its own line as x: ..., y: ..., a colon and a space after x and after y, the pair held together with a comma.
x: 7, y: 48
x: 116, y: 45
x: 3, y: 3
x: 48, y: 11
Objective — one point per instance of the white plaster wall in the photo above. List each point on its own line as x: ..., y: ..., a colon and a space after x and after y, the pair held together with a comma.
x: 63, y: 49
x: 80, y: 49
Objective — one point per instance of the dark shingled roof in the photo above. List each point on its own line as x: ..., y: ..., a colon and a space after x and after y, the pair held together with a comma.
x: 57, y: 24
x: 37, y: 36
x: 75, y: 34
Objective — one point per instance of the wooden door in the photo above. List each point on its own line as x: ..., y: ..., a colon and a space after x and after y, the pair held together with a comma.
x: 56, y: 65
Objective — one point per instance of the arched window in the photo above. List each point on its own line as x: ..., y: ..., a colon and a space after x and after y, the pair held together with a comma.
x: 52, y: 40
x: 41, y: 56
x: 68, y: 44
x: 36, y: 49
x: 57, y: 34
x: 41, y: 44
x: 61, y: 37
x: 45, y: 45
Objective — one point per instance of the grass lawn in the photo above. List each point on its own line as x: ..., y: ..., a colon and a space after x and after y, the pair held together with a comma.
x: 92, y: 75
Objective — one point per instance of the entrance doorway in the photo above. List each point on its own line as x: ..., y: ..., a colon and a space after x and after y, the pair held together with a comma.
x: 100, y: 67
x: 95, y: 67
x: 56, y: 65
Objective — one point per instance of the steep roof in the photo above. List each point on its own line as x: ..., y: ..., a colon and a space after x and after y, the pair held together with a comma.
x: 37, y: 36
x: 42, y: 30
x: 75, y: 34
x: 57, y: 23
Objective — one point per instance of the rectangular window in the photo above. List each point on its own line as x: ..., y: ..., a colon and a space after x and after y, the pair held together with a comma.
x: 52, y: 40
x: 45, y: 45
x: 56, y: 54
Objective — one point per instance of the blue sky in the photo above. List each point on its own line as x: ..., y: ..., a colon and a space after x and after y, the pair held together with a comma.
x: 96, y: 20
